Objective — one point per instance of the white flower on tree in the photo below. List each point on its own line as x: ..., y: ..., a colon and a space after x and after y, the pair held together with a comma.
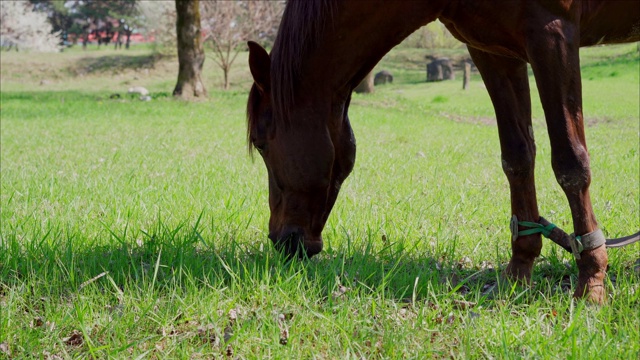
x: 23, y: 28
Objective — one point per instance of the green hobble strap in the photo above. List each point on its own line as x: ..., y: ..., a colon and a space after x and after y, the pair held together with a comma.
x: 535, y: 228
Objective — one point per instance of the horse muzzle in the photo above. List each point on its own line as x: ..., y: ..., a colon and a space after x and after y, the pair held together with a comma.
x: 293, y: 242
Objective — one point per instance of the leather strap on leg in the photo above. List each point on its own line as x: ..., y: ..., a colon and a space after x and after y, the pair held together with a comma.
x: 589, y: 241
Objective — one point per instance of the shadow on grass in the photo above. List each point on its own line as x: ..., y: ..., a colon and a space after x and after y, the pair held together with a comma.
x: 166, y: 261
x: 114, y: 63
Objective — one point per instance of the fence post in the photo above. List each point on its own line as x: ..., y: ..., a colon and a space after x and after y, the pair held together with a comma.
x: 467, y: 75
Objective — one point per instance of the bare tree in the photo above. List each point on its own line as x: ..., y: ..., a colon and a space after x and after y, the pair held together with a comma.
x: 190, y: 51
x: 158, y: 21
x: 229, y: 24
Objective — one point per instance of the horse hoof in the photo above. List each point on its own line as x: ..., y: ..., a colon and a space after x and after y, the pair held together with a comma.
x: 591, y: 292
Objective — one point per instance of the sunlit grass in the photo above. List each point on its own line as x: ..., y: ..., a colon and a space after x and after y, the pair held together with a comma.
x: 138, y: 229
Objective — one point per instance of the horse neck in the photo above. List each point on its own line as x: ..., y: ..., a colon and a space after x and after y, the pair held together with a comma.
x: 358, y: 36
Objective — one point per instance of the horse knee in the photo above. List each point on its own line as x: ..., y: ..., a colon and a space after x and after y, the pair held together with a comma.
x: 572, y: 170
x: 519, y: 164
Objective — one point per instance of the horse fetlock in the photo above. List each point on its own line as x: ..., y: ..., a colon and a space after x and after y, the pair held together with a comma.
x: 525, y: 249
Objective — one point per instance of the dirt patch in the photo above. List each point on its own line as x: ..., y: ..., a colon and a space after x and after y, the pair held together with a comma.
x: 482, y: 120
x: 377, y: 103
x: 593, y: 121
x: 490, y: 121
x: 114, y: 64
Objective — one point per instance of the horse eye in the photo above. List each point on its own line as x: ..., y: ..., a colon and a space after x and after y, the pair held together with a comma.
x: 260, y: 147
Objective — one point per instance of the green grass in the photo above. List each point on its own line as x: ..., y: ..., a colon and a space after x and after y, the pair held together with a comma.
x: 138, y: 229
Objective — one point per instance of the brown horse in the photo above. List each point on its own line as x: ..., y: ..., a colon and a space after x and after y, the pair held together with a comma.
x: 298, y: 119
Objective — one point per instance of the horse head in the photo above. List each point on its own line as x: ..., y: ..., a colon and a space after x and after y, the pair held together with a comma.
x: 307, y: 156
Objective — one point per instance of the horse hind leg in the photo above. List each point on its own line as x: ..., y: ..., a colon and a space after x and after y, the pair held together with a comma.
x: 507, y: 82
x: 557, y: 74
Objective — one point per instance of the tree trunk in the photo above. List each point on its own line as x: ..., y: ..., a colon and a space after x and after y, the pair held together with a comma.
x: 226, y: 78
x: 128, y: 34
x: 366, y: 85
x: 190, y: 51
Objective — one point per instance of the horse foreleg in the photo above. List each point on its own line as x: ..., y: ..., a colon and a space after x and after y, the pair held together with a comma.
x: 507, y: 82
x: 554, y: 58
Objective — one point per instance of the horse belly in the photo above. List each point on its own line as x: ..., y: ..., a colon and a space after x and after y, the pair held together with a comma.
x: 487, y: 27
x: 610, y: 22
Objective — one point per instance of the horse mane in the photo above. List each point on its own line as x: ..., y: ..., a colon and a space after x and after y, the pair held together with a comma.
x: 253, y: 104
x: 302, y: 24
x: 303, y: 21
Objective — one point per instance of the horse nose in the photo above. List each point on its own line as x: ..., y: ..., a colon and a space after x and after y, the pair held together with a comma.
x: 290, y: 241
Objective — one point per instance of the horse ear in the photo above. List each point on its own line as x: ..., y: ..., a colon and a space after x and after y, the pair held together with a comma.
x: 260, y: 65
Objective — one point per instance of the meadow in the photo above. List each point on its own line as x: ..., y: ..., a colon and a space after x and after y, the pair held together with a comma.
x: 138, y: 230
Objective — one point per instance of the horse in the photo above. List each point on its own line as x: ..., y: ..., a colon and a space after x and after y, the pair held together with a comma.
x: 297, y: 111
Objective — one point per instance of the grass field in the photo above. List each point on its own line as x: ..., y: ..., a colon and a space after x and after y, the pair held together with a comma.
x: 137, y: 229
